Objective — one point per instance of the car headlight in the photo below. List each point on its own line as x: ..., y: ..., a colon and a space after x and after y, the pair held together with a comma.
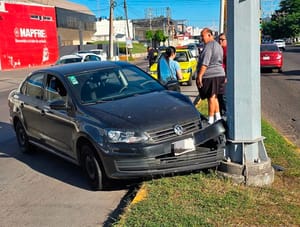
x: 118, y: 136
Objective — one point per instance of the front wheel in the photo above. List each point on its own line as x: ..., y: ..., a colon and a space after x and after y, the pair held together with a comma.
x: 92, y: 168
x: 22, y: 138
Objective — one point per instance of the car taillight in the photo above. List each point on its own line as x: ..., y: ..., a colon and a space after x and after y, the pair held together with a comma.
x: 278, y: 57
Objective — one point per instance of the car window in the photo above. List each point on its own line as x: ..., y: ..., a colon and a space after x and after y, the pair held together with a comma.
x: 181, y: 57
x: 33, y: 86
x: 55, y: 90
x: 94, y: 58
x: 110, y: 84
x: 70, y: 60
x: 91, y: 58
x: 189, y: 54
x: 269, y: 48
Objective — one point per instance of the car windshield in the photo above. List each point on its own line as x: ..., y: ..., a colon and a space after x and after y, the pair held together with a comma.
x: 181, y: 56
x: 268, y: 48
x: 111, y: 84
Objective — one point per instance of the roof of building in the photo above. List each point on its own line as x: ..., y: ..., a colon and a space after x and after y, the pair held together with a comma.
x: 63, y: 4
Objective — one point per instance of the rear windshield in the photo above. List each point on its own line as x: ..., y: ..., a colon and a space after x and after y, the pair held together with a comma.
x: 269, y: 48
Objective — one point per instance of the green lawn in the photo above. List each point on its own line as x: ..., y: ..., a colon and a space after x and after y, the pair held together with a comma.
x: 204, y: 199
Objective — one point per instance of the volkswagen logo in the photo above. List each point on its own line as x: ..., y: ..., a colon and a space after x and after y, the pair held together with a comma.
x: 178, y: 130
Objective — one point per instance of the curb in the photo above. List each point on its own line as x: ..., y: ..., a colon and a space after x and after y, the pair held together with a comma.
x: 140, y: 195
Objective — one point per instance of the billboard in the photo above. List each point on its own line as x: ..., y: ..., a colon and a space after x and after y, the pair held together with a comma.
x: 28, y: 35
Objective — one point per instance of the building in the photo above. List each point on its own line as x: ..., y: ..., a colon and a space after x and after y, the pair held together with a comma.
x: 140, y: 26
x: 28, y: 35
x: 120, y: 30
x: 75, y: 22
x: 31, y: 32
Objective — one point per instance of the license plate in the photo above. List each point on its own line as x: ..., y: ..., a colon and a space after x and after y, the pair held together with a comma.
x: 266, y: 57
x: 183, y: 146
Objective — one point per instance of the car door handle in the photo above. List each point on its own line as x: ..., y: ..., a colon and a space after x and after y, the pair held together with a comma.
x: 45, y: 111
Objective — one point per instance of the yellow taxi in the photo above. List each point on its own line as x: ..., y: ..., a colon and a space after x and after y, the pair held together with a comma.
x: 187, y: 62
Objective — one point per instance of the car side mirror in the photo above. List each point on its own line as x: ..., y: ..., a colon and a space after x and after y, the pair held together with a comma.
x: 58, y: 105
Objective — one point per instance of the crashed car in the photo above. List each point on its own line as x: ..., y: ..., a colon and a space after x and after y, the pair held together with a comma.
x: 114, y: 120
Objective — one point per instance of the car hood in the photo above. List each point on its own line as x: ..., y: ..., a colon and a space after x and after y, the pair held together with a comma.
x: 145, y: 112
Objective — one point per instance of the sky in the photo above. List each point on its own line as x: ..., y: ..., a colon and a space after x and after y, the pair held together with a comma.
x: 197, y: 13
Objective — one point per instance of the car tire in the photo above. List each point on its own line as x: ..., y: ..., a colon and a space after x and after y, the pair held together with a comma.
x: 190, y: 81
x: 280, y: 70
x: 91, y: 167
x: 22, y: 138
x: 194, y: 76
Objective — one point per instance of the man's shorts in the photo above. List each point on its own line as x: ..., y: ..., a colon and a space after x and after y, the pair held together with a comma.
x: 211, y: 86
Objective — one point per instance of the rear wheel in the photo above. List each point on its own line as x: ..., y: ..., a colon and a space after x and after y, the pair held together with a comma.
x: 91, y: 167
x: 189, y: 83
x: 22, y: 138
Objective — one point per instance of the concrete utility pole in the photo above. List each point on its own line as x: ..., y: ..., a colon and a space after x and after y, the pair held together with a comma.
x: 247, y: 159
x: 126, y: 18
x: 111, y: 29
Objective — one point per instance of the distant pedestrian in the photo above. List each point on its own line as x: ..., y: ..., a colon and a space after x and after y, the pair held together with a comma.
x: 152, y: 55
x: 222, y: 96
x: 211, y: 74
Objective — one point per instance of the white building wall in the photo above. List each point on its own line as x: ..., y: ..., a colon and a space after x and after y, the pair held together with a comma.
x: 119, y: 30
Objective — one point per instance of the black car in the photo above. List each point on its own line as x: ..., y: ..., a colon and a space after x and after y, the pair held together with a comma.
x: 114, y: 120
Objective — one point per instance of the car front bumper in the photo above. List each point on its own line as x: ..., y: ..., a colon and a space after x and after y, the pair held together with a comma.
x: 160, y: 159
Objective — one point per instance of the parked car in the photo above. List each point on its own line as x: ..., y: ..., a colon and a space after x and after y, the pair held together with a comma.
x: 271, y: 57
x: 187, y: 62
x: 114, y: 120
x: 99, y: 52
x: 79, y: 57
x: 193, y: 48
x: 280, y: 43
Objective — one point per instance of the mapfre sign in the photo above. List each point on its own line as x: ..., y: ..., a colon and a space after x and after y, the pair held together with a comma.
x: 28, y: 35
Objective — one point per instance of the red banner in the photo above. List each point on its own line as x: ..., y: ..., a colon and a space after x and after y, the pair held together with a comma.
x: 28, y: 35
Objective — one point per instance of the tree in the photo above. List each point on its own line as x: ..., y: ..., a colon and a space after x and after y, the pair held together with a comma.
x: 149, y: 36
x: 155, y: 37
x: 285, y: 22
x: 159, y: 36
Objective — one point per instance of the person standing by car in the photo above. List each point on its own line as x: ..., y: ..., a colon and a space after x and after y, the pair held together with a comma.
x: 167, y: 68
x: 211, y: 74
x: 221, y: 96
x: 152, y: 54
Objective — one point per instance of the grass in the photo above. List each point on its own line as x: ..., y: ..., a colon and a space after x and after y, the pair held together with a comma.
x: 204, y: 199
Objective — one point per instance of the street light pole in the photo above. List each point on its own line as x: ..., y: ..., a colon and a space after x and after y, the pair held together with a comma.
x: 111, y: 30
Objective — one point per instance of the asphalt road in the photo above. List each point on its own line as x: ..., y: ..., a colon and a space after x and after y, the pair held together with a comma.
x: 280, y: 96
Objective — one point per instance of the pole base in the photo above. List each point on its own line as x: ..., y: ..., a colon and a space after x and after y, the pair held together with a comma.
x: 250, y: 174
